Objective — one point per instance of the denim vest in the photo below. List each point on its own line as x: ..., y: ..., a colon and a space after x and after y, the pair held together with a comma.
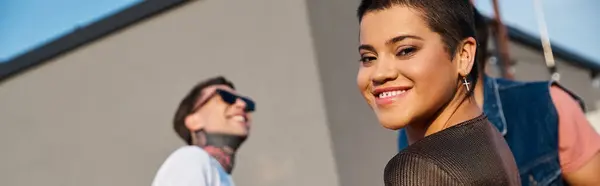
x: 525, y: 115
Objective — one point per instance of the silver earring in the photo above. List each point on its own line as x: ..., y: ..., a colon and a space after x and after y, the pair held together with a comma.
x: 466, y: 83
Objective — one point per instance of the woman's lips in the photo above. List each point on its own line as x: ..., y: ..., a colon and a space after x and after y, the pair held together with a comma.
x: 389, y: 95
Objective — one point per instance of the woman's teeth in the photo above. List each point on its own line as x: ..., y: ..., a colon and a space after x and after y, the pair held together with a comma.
x: 391, y: 93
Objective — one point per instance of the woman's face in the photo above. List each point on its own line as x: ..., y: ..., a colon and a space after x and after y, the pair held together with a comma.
x: 406, y: 74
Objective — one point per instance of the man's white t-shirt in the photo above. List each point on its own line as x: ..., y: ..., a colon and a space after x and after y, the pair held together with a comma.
x: 191, y: 166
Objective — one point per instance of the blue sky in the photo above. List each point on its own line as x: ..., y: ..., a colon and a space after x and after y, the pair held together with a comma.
x: 26, y: 24
x: 571, y: 24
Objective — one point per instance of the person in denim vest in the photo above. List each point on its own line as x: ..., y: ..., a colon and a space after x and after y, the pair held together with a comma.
x: 543, y: 123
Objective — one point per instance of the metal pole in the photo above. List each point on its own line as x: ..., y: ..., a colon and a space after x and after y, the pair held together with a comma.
x: 548, y: 56
x: 502, y: 43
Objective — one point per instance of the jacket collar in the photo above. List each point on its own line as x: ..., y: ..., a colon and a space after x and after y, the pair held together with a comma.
x: 492, y: 105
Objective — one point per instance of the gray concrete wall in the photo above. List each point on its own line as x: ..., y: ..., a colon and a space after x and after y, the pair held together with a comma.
x: 101, y: 115
x: 361, y: 146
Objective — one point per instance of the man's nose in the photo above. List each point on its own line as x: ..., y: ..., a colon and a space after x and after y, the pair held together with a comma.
x: 385, y: 70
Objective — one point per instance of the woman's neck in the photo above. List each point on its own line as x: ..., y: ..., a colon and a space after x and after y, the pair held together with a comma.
x: 459, y: 110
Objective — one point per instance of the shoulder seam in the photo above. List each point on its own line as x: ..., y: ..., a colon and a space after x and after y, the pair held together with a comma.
x: 429, y: 159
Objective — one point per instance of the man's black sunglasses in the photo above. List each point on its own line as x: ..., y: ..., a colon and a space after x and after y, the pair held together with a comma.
x: 230, y: 99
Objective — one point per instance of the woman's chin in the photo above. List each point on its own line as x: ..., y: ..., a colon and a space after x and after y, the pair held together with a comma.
x: 392, y: 121
x: 392, y: 125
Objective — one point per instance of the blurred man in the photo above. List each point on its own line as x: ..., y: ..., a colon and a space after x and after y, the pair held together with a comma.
x: 214, y: 120
x: 543, y: 123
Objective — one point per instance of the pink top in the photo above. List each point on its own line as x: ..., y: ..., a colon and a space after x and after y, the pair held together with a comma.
x: 578, y: 142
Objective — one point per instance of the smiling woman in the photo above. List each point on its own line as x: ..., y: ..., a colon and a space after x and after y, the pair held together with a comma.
x: 417, y: 72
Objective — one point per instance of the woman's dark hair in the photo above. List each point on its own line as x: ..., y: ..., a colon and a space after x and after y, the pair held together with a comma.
x: 187, y: 106
x: 452, y: 19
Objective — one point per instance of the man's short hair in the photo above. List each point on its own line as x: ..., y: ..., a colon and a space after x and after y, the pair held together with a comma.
x: 452, y: 19
x: 189, y: 101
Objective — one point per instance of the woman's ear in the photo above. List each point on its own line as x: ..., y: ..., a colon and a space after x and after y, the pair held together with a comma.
x: 466, y: 56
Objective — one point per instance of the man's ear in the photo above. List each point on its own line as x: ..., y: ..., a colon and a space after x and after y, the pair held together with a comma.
x: 466, y: 56
x: 192, y: 122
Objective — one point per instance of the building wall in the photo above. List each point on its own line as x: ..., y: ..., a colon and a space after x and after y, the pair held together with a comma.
x: 594, y: 117
x: 362, y: 147
x: 101, y: 115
